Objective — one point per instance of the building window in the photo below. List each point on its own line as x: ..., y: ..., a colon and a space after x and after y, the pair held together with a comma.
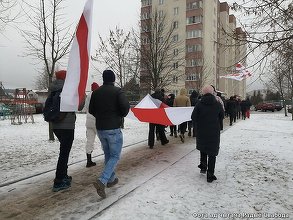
x: 193, y: 34
x: 176, y: 11
x: 175, y: 52
x: 161, y: 14
x: 146, y: 3
x: 192, y: 77
x: 161, y: 2
x: 193, y: 5
x: 194, y: 19
x: 175, y: 38
x: 175, y: 65
x: 193, y: 48
x: 175, y: 79
x: 145, y: 15
x: 175, y: 24
x: 145, y: 40
x: 193, y: 62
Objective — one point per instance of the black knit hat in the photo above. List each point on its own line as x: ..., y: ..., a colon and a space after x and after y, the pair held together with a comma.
x: 108, y: 76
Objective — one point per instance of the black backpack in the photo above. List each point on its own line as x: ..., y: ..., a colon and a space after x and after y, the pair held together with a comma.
x: 51, y: 111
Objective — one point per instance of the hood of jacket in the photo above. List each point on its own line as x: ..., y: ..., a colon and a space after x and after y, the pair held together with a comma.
x: 57, y: 85
x: 208, y: 99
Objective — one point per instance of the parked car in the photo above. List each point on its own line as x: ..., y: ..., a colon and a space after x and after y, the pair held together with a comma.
x: 278, y: 106
x: 4, y: 110
x: 265, y: 106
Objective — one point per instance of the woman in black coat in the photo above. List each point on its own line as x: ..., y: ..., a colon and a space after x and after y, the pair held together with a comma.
x: 206, y: 118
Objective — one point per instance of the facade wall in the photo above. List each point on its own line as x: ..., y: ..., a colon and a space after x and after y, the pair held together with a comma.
x: 200, y: 35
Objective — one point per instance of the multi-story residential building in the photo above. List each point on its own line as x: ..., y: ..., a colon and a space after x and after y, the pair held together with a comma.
x: 201, y: 31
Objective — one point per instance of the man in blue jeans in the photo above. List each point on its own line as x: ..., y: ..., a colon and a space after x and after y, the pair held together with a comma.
x: 109, y: 105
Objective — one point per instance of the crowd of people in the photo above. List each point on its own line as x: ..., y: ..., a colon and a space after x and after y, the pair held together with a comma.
x: 106, y: 107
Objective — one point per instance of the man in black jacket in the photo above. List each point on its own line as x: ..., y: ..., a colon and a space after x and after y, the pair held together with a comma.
x: 160, y: 129
x: 109, y: 105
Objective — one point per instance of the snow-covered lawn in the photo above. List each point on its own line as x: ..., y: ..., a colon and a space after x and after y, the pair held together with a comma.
x: 254, y: 170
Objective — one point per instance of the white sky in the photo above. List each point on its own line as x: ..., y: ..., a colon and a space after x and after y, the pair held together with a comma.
x: 17, y: 71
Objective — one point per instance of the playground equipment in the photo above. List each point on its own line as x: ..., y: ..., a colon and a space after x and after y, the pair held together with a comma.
x: 20, y: 105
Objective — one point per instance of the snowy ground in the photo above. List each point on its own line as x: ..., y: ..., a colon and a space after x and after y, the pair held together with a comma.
x: 254, y: 170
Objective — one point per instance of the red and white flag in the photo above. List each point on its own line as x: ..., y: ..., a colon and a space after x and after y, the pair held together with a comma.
x: 154, y: 111
x: 241, y: 73
x: 78, y: 65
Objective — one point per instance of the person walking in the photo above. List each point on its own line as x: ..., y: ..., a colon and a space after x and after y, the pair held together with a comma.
x: 231, y: 108
x: 109, y: 105
x: 206, y: 118
x: 170, y: 101
x: 182, y: 100
x: 157, y: 128
x: 64, y: 131
x: 91, y: 130
x: 193, y: 100
x: 248, y: 105
x: 243, y: 106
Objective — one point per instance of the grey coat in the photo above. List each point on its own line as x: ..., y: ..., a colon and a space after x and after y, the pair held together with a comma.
x: 69, y: 121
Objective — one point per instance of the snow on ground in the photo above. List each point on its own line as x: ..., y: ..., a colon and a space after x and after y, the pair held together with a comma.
x: 254, y: 170
x: 26, y: 149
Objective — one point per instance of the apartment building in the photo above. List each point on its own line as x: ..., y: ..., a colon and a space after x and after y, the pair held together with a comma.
x: 200, y: 30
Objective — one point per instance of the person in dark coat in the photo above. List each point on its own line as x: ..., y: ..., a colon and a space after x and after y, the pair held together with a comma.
x: 193, y: 100
x: 231, y: 108
x: 64, y: 131
x: 206, y: 118
x: 170, y: 102
x: 243, y: 106
x: 160, y: 129
x: 109, y: 105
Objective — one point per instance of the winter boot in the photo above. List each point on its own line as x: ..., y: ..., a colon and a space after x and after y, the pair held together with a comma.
x: 211, y: 177
x: 90, y: 163
x: 61, y: 184
x: 100, y: 187
x: 189, y: 132
x: 203, y: 168
x: 113, y: 183
x: 175, y: 134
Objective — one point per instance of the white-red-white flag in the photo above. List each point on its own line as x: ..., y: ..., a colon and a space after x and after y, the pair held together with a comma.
x: 241, y: 73
x: 78, y: 65
x: 154, y: 111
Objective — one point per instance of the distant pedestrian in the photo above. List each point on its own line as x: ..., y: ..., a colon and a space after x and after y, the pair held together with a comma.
x: 157, y: 128
x: 182, y: 100
x: 243, y: 106
x: 170, y: 102
x: 109, y: 105
x: 206, y: 118
x: 193, y: 100
x: 91, y: 130
x: 231, y: 108
x: 248, y: 104
x: 64, y: 131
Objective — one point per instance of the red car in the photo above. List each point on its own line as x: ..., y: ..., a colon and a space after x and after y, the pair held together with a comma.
x: 265, y: 107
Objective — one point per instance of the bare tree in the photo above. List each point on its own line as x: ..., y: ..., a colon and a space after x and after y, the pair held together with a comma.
x: 6, y: 15
x: 115, y: 53
x: 48, y: 39
x: 281, y: 76
x: 160, y: 53
x: 268, y: 25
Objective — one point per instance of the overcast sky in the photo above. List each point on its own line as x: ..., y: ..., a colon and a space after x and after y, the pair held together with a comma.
x: 17, y: 71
